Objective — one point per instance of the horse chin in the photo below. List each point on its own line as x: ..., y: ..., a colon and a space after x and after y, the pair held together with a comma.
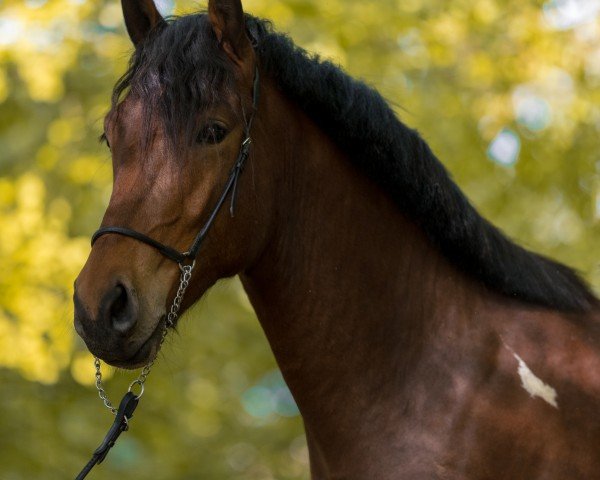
x: 146, y: 352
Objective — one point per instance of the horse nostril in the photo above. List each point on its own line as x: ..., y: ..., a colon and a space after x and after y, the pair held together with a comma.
x: 121, y: 310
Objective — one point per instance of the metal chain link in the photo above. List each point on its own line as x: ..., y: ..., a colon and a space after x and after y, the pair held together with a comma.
x: 101, y: 392
x: 184, y: 281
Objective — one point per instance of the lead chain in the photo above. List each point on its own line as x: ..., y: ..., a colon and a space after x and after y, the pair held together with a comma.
x: 184, y: 281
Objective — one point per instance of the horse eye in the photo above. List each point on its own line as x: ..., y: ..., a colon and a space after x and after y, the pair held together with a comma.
x: 212, y: 134
x: 104, y: 138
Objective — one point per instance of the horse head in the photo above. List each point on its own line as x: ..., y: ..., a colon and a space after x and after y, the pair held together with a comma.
x: 180, y: 122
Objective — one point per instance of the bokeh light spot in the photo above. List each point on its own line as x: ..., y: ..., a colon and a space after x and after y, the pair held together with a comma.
x: 505, y: 147
x: 165, y: 7
x: 258, y: 402
x: 565, y: 14
x: 126, y: 453
x: 111, y: 16
x: 270, y: 396
x: 10, y: 30
x: 241, y: 456
x: 531, y: 110
x: 35, y: 3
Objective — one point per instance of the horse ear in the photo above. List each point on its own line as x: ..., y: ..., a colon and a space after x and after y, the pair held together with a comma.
x: 141, y: 16
x: 227, y: 20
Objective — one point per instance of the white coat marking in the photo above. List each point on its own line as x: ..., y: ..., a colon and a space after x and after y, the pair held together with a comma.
x: 534, y: 386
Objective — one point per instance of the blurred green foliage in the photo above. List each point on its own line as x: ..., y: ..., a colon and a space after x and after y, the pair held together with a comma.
x: 506, y: 91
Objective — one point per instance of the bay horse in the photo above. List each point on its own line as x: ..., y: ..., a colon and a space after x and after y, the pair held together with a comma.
x: 418, y: 341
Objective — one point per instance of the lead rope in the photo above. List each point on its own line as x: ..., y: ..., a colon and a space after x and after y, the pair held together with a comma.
x: 130, y: 400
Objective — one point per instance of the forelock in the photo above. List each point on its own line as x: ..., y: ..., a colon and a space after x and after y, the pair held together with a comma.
x: 177, y: 72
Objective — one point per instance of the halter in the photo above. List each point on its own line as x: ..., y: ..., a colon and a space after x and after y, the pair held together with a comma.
x: 189, y: 256
x: 186, y: 261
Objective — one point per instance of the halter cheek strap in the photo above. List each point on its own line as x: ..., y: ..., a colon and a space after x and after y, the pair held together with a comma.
x: 190, y: 255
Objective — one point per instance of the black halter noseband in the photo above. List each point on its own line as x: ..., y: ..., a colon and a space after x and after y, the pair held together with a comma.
x: 231, y: 186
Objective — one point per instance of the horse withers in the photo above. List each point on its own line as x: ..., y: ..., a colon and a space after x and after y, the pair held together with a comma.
x: 418, y: 341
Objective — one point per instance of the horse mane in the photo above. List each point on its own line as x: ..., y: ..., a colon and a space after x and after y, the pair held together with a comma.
x: 362, y: 123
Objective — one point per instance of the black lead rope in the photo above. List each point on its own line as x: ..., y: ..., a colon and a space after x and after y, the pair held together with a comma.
x: 121, y: 424
x: 186, y: 261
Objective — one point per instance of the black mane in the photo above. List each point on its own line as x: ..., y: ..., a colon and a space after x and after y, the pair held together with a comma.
x: 185, y: 58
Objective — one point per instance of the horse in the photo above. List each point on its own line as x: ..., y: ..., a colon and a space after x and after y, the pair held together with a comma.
x: 418, y: 341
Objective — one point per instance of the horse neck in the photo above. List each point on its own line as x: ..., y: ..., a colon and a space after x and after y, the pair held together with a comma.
x: 348, y: 289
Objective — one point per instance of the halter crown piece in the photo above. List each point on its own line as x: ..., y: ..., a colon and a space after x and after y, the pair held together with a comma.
x: 186, y: 261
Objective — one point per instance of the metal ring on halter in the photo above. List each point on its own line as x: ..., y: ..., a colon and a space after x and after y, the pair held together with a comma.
x: 137, y: 382
x: 191, y: 266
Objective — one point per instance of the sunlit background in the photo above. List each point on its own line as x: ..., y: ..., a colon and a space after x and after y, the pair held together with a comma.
x: 507, y: 92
